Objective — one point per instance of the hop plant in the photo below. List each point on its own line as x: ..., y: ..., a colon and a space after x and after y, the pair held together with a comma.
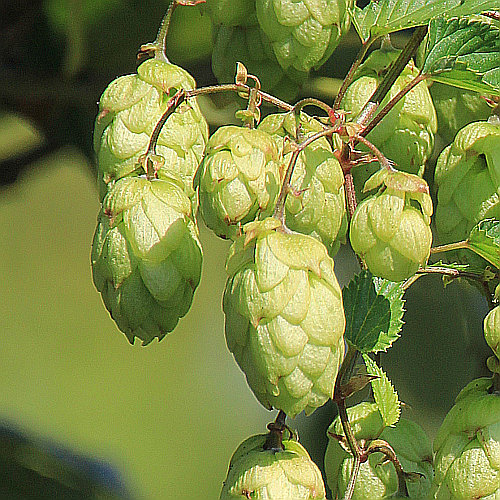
x: 303, y: 33
x: 467, y: 446
x: 468, y: 179
x: 406, y: 134
x: 284, y: 317
x: 288, y: 474
x: 146, y: 257
x: 316, y: 205
x: 239, y: 178
x: 129, y: 110
x: 390, y: 230
x: 456, y: 108
x: 377, y: 477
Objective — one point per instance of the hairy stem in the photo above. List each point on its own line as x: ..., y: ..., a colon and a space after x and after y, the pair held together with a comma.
x: 384, y: 162
x: 279, y: 209
x: 349, y: 492
x: 450, y: 246
x: 311, y: 101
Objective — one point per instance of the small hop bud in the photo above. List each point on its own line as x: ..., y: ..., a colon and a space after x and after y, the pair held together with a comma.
x: 287, y: 474
x: 146, y: 257
x: 284, y: 317
x: 390, y: 230
x: 377, y: 477
x: 467, y: 446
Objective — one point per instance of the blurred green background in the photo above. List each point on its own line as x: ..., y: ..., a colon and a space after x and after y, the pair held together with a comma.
x: 165, y: 418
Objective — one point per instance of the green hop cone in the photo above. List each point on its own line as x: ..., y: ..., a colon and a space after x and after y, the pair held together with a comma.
x: 257, y: 473
x: 284, y: 317
x: 316, y: 205
x: 239, y: 178
x: 303, y: 33
x: 390, y: 230
x: 406, y: 134
x: 249, y: 45
x: 129, y: 110
x: 468, y: 181
x: 377, y: 477
x: 146, y: 257
x: 456, y: 108
x: 467, y: 446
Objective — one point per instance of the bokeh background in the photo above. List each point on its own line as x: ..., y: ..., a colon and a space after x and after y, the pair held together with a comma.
x: 83, y: 413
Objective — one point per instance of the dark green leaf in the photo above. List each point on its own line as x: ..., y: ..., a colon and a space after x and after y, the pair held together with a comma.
x: 464, y: 53
x: 384, y: 393
x: 373, y: 309
x: 484, y: 240
x: 380, y: 17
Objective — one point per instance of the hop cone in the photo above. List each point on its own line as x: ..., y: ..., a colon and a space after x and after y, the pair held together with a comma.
x: 249, y: 44
x: 316, y: 206
x: 284, y: 317
x: 456, y: 108
x: 468, y: 180
x: 146, y: 257
x: 389, y: 232
x: 239, y: 178
x: 377, y: 477
x: 129, y: 110
x: 304, y: 33
x: 406, y: 134
x: 467, y: 446
x: 272, y: 475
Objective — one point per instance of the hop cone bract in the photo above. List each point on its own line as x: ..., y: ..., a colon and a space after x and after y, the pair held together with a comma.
x: 284, y: 317
x: 467, y: 446
x: 468, y: 181
x: 303, y: 33
x: 492, y: 337
x: 257, y: 473
x: 377, y: 477
x: 390, y: 233
x: 129, y: 110
x: 406, y: 133
x: 146, y: 257
x: 316, y: 205
x: 231, y: 12
x: 239, y: 178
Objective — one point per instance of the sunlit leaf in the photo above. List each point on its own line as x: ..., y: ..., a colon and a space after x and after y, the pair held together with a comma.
x: 373, y: 309
x: 464, y: 53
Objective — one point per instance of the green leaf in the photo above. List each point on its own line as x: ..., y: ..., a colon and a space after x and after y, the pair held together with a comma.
x: 484, y: 240
x: 464, y: 53
x: 381, y: 17
x: 384, y: 393
x: 373, y: 310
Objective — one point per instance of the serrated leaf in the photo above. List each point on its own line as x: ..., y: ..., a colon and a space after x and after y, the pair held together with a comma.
x: 464, y: 53
x: 373, y: 310
x: 484, y: 240
x: 381, y: 17
x: 384, y: 393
